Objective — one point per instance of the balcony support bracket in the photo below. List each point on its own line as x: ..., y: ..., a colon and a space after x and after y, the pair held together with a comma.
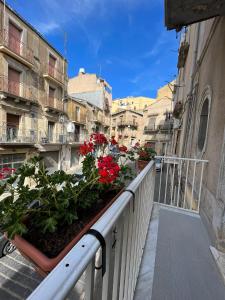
x: 102, y: 242
x: 133, y: 194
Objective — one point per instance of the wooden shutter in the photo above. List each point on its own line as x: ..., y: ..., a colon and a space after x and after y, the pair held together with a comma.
x: 13, y: 81
x: 14, y: 38
x: 13, y: 120
x: 52, y: 63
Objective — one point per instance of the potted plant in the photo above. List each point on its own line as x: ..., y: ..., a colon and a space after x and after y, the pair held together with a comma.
x: 145, y: 155
x: 47, y: 218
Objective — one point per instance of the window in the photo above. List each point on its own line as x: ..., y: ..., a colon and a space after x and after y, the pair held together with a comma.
x: 77, y: 113
x: 12, y: 127
x: 51, y: 126
x: 52, y: 64
x: 15, y: 34
x: 9, y: 163
x: 13, y: 81
x: 203, y: 125
x: 151, y: 122
x: 51, y: 96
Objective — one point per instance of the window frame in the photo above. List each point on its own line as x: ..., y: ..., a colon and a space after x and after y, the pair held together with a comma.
x: 207, y: 94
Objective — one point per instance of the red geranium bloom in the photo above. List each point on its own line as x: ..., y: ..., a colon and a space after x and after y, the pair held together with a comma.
x: 123, y: 149
x: 86, y: 148
x: 113, y: 141
x: 99, y: 139
x: 107, y: 169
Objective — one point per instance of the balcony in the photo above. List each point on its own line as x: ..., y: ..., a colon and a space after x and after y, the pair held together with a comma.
x: 76, y: 138
x: 11, y: 135
x: 156, y: 244
x: 55, y: 75
x: 16, y: 49
x: 167, y: 126
x: 131, y: 124
x: 19, y: 91
x: 151, y: 128
x: 54, y: 105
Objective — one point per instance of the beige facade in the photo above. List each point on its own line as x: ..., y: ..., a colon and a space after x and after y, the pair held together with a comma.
x: 33, y: 82
x: 126, y: 127
x: 200, y: 126
x: 131, y: 103
x: 157, y: 125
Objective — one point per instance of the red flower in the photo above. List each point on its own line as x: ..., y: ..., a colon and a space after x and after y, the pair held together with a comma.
x: 86, y: 148
x: 113, y: 141
x: 107, y: 169
x: 123, y: 149
x: 143, y: 154
x: 137, y: 145
x: 99, y: 139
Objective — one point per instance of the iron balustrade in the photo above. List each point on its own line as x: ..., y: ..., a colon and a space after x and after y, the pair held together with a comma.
x: 124, y: 227
x: 181, y: 182
x: 16, y: 45
x: 12, y: 134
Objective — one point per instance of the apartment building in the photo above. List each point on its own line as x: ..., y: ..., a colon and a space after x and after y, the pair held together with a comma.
x: 126, y: 127
x: 199, y: 105
x: 158, y: 125
x: 131, y: 103
x: 33, y: 83
x: 98, y: 95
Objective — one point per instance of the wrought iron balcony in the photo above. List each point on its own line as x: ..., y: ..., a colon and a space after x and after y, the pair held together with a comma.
x: 54, y: 105
x: 16, y: 48
x: 131, y: 124
x: 54, y: 74
x: 15, y: 89
x: 151, y: 128
x: 12, y: 134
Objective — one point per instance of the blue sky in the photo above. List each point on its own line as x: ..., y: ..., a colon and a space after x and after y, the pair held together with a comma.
x: 124, y: 40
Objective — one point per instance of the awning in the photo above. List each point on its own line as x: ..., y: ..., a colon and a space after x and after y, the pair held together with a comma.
x: 179, y: 13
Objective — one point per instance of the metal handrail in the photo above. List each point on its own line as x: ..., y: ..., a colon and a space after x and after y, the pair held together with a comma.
x: 62, y: 279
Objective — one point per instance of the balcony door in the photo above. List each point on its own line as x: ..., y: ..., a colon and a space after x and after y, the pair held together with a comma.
x: 14, y: 82
x: 51, y: 96
x: 15, y: 35
x: 52, y: 65
x: 12, y: 127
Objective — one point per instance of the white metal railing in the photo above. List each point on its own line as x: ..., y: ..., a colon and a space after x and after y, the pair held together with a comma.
x: 124, y: 227
x: 180, y: 182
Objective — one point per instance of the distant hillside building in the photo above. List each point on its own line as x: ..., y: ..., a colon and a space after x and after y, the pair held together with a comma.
x: 133, y: 103
x: 91, y: 88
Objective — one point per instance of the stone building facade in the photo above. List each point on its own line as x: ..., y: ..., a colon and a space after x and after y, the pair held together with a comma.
x: 131, y: 103
x: 199, y: 108
x: 33, y: 83
x: 126, y: 127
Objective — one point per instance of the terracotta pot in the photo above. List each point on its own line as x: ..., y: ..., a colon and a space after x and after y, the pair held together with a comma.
x: 141, y: 164
x: 44, y: 264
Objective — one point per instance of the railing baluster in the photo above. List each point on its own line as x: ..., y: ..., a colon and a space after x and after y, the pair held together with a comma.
x: 193, y: 185
x: 160, y: 182
x: 179, y: 180
x: 200, y: 187
x: 172, y: 186
x: 167, y: 169
x: 185, y: 189
x: 107, y: 280
x: 89, y: 280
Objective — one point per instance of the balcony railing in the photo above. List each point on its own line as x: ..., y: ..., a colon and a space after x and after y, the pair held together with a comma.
x: 167, y: 126
x: 54, y: 73
x: 76, y: 138
x: 12, y: 134
x: 181, y: 181
x: 16, y: 46
x: 151, y: 128
x: 17, y: 89
x: 124, y: 227
x: 128, y: 123
x: 53, y: 103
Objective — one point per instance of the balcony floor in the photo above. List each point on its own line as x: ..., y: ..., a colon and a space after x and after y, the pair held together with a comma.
x: 179, y: 265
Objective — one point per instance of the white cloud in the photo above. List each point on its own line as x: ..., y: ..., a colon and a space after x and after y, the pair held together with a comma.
x: 46, y: 28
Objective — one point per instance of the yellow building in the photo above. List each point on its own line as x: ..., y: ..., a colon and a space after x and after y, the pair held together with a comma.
x: 132, y: 103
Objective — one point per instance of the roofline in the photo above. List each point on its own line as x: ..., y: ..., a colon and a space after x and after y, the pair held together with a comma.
x: 84, y: 101
x: 32, y: 27
x: 130, y: 110
x: 97, y: 76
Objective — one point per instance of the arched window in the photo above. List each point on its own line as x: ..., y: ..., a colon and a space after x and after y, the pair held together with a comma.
x: 203, y: 125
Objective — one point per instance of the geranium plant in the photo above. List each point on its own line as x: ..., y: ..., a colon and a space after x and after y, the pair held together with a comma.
x: 53, y: 209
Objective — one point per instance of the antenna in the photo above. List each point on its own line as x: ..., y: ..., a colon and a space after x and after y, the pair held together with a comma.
x: 65, y: 43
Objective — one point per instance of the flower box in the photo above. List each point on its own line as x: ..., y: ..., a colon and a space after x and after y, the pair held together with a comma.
x: 42, y: 262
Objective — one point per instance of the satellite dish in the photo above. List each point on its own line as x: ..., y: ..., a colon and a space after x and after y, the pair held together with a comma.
x: 71, y: 127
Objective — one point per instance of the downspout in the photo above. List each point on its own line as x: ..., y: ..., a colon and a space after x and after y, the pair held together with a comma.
x: 187, y: 120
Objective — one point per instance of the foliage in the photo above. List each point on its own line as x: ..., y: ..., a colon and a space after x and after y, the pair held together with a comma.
x: 33, y: 197
x: 145, y: 152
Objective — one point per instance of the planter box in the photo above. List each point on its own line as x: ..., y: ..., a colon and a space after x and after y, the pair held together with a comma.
x: 44, y: 264
x: 141, y: 164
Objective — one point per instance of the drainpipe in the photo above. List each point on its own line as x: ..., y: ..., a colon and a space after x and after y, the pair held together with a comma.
x: 187, y: 120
